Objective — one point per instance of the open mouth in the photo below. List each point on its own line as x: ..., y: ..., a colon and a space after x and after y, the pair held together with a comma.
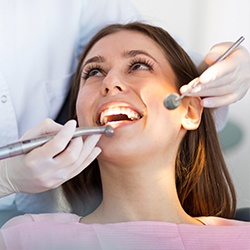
x: 117, y: 114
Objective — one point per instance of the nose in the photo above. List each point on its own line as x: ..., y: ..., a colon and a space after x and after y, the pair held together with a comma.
x: 112, y: 84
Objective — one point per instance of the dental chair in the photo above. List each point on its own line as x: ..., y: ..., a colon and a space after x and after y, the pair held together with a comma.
x: 243, y: 214
x: 6, y: 215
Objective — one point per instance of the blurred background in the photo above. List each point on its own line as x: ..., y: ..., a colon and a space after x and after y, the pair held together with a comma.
x: 198, y: 25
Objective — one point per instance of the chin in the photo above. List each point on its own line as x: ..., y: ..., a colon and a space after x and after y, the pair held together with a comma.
x: 114, y: 149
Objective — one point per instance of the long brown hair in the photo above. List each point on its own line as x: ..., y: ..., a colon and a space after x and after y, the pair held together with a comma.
x: 202, y: 180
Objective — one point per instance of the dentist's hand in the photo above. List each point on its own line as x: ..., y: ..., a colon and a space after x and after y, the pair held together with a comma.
x: 224, y: 82
x: 50, y: 165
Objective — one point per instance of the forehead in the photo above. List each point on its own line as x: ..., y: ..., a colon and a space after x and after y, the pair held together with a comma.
x: 124, y: 40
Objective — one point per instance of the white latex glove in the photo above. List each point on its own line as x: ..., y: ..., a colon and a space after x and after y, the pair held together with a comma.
x: 224, y: 82
x: 50, y: 165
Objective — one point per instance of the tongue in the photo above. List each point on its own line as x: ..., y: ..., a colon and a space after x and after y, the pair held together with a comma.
x: 116, y: 118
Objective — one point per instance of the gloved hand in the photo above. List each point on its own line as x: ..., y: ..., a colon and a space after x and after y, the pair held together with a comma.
x: 224, y: 82
x: 50, y: 165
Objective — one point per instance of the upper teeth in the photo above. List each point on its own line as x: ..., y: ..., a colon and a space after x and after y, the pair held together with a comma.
x: 131, y: 114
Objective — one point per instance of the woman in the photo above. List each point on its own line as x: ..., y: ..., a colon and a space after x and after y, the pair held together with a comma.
x: 185, y: 72
x: 161, y: 177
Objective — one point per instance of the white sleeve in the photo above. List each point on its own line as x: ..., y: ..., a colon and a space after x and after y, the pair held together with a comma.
x: 99, y: 13
x: 220, y: 117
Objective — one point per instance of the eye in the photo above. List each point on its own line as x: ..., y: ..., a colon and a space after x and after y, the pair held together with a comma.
x: 140, y: 64
x: 92, y: 70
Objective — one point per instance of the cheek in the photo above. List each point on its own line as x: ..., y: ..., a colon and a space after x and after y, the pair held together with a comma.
x: 164, y: 124
x: 153, y: 97
x: 157, y: 90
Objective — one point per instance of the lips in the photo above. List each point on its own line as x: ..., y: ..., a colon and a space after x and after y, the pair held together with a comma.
x: 114, y: 114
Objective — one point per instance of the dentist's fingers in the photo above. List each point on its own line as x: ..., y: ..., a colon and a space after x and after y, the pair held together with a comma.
x: 60, y: 140
x: 78, y: 150
x: 76, y: 164
x: 75, y: 171
x: 224, y: 82
x: 44, y: 127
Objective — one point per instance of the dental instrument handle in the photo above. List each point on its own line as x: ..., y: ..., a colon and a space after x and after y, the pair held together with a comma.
x: 23, y: 147
x: 231, y: 48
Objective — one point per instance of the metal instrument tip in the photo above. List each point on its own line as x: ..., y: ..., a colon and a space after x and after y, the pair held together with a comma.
x: 109, y: 131
x: 172, y: 101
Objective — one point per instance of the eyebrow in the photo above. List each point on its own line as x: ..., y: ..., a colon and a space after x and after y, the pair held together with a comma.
x: 127, y: 54
x: 95, y: 59
x: 133, y: 53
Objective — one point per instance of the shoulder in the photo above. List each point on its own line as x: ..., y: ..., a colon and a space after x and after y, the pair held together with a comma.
x: 53, y: 217
x: 218, y: 221
x: 218, y: 233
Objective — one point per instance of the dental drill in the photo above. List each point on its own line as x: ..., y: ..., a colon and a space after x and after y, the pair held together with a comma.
x: 23, y: 147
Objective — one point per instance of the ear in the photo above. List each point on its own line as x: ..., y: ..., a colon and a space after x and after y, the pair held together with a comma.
x: 192, y: 113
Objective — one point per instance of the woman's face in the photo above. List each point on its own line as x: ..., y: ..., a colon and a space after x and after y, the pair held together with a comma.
x: 124, y: 81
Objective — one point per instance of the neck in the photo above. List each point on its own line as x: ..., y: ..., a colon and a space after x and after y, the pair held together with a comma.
x: 138, y: 194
